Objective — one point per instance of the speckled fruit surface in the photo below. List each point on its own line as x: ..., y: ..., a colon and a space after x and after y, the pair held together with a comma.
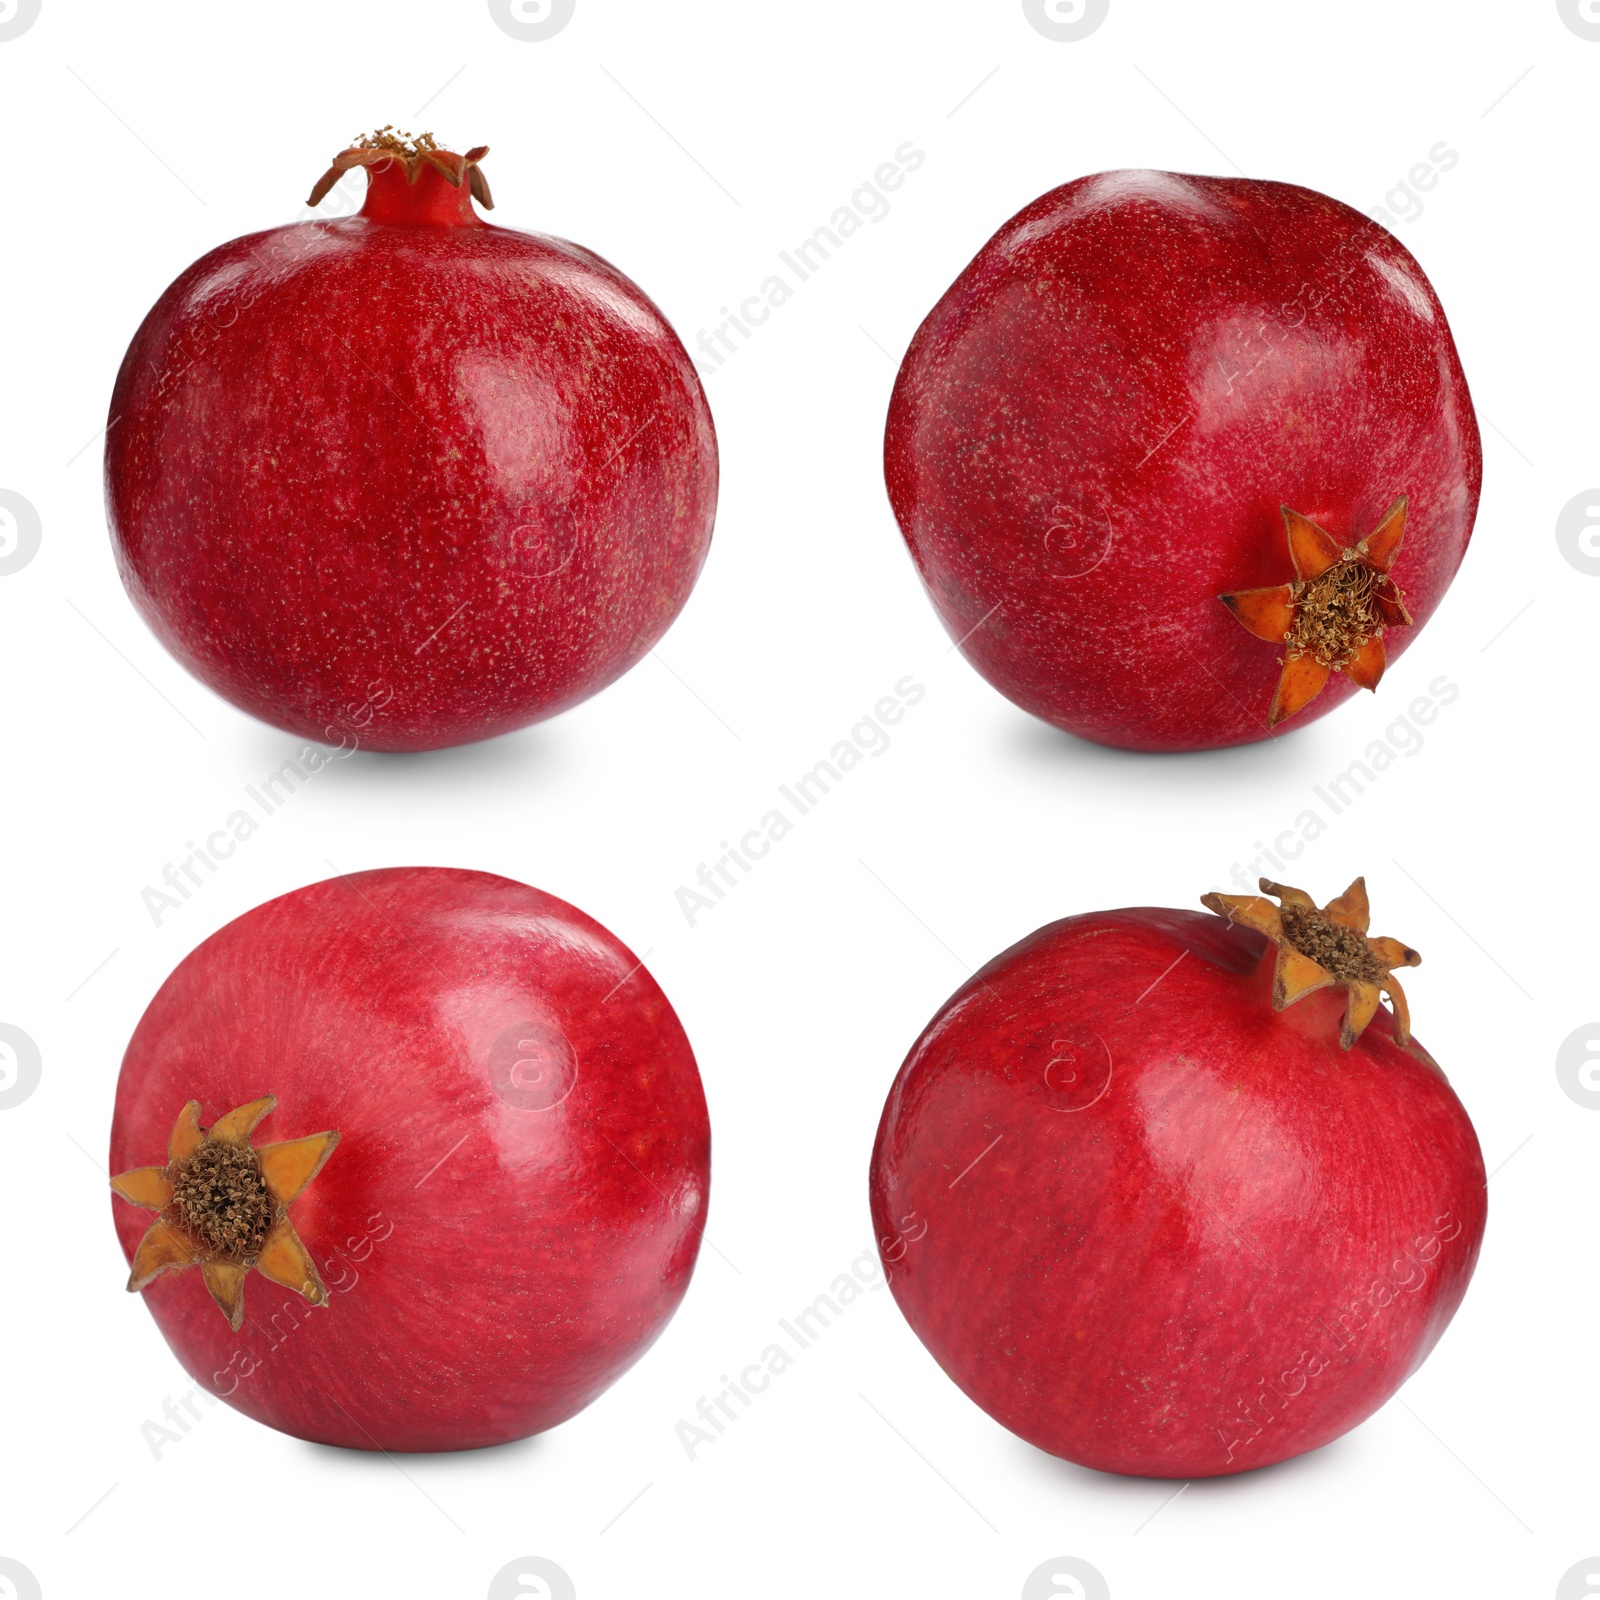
x: 1153, y: 1225
x: 406, y: 479
x: 516, y: 1199
x: 1094, y: 432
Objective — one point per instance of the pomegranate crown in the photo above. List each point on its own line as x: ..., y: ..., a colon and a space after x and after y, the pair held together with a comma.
x: 1318, y: 948
x: 222, y: 1204
x: 1331, y: 616
x: 414, y: 153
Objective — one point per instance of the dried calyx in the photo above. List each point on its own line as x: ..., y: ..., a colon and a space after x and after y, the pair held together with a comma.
x: 223, y: 1205
x: 414, y: 154
x: 1331, y: 617
x: 220, y: 1198
x: 1321, y: 948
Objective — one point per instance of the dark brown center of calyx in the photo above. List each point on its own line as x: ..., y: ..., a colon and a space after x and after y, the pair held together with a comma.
x: 1336, y: 614
x: 220, y: 1198
x: 1341, y: 951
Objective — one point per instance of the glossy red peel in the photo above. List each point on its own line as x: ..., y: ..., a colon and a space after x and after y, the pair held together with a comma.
x: 1171, y: 1194
x: 1118, y: 409
x: 506, y: 1203
x: 406, y: 479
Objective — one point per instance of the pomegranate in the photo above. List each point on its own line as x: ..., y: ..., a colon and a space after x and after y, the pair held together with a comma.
x: 1156, y: 1196
x: 405, y: 477
x: 486, y: 1176
x: 1148, y: 393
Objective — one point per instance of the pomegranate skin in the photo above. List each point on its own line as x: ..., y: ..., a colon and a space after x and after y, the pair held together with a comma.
x: 1093, y: 432
x: 1157, y: 1228
x: 405, y: 479
x: 497, y: 1250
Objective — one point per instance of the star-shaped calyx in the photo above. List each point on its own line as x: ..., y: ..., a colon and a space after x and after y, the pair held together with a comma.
x: 390, y: 145
x: 223, y: 1205
x: 1332, y: 616
x: 1318, y: 949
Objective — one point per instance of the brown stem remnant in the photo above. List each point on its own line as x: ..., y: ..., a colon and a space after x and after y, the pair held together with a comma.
x: 1318, y: 948
x: 413, y: 153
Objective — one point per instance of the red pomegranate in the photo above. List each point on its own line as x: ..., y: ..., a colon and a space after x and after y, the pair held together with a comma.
x: 1156, y: 1196
x: 1148, y: 393
x: 406, y: 479
x: 474, y: 1193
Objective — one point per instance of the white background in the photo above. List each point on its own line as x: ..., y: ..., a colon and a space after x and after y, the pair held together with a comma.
x: 689, y: 144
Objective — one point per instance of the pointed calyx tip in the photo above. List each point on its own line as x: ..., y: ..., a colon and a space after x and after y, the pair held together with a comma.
x: 1330, y: 617
x: 1321, y: 948
x: 222, y: 1204
x: 414, y: 153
